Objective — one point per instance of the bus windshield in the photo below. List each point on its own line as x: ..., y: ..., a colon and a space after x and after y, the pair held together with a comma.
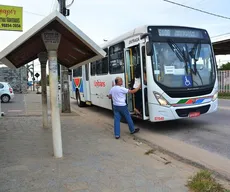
x: 183, y: 65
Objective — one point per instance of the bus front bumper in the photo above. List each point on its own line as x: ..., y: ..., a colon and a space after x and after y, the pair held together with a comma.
x: 161, y: 113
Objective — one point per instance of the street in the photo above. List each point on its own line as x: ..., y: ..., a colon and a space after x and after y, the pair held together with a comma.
x: 210, y: 132
x: 17, y: 105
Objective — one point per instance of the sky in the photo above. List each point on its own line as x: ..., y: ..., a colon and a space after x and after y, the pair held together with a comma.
x: 106, y: 19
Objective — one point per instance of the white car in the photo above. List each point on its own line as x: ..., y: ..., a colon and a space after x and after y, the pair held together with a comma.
x: 6, y: 92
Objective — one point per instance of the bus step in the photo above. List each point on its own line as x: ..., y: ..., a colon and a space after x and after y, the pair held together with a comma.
x: 137, y: 116
x: 88, y: 103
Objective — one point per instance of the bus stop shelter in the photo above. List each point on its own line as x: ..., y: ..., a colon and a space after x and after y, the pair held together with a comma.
x: 221, y: 44
x: 57, y: 40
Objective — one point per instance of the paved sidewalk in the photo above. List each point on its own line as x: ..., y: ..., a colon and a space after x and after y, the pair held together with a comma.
x: 93, y: 160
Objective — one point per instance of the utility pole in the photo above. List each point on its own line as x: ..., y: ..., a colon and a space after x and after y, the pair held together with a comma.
x: 65, y: 96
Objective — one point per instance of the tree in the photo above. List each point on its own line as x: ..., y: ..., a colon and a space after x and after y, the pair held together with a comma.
x: 225, y: 66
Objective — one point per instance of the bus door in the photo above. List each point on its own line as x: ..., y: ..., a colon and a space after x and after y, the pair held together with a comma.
x: 129, y: 76
x: 144, y: 83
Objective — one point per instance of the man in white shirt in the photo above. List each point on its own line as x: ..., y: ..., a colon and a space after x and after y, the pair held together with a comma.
x: 118, y: 95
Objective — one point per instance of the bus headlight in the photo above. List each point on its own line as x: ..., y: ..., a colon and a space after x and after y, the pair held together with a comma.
x: 161, y: 100
x: 215, y: 96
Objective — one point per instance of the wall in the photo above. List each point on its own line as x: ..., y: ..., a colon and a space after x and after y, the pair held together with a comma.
x: 17, y: 78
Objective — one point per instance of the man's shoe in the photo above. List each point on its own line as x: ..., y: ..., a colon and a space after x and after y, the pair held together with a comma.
x: 117, y: 137
x: 136, y: 130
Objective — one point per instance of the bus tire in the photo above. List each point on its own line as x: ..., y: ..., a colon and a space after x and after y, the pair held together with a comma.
x: 78, y: 98
x: 123, y: 120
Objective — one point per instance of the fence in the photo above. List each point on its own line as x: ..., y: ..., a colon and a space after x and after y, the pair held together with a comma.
x: 224, y: 81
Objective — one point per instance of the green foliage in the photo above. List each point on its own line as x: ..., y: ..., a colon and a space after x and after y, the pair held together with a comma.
x: 204, y: 182
x: 222, y: 95
x: 225, y: 66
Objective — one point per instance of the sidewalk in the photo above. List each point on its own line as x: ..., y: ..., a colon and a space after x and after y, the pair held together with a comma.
x: 93, y: 160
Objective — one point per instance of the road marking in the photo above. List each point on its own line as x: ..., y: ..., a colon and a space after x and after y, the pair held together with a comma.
x: 15, y: 110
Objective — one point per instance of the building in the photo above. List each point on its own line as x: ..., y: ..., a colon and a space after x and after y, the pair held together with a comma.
x: 17, y: 78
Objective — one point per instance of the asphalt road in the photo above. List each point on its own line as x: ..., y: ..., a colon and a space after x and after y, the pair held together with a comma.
x: 16, y: 105
x: 211, y: 131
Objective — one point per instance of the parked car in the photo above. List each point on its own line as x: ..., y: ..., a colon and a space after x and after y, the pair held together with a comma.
x: 6, y: 92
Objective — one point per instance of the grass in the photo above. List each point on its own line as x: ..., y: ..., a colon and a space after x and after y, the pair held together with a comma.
x: 204, y: 182
x: 223, y: 95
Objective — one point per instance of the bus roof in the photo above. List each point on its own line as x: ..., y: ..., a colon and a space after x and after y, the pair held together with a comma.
x: 137, y: 31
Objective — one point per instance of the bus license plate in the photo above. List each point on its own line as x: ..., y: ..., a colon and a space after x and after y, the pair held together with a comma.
x: 194, y: 114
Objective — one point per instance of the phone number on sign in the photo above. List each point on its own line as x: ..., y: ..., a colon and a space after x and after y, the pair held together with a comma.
x: 10, y: 25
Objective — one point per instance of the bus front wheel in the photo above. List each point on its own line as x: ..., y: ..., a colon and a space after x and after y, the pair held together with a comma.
x: 78, y: 98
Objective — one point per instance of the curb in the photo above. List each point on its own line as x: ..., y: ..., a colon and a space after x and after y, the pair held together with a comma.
x: 183, y: 159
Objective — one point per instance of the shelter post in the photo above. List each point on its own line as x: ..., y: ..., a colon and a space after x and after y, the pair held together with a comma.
x: 43, y: 60
x: 56, y: 122
x: 51, y: 39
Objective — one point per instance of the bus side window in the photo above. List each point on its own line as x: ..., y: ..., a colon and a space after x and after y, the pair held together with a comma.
x: 116, y: 58
x: 105, y: 64
x: 99, y: 67
x: 87, y: 72
x: 93, y: 68
x: 77, y: 72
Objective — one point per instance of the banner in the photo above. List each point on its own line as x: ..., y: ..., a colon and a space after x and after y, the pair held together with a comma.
x: 10, y: 18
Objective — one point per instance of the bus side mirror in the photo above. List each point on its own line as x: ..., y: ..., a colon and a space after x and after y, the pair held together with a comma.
x: 149, y: 49
x: 149, y: 44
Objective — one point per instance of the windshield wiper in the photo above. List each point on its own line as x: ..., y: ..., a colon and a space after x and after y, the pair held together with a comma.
x: 195, y: 54
x: 179, y: 53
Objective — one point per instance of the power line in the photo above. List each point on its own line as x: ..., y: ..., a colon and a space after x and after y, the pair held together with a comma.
x: 206, y: 12
x: 221, y: 35
x: 34, y: 13
x: 185, y: 2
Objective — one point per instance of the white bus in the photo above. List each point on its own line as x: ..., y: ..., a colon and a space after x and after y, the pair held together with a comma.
x: 180, y: 68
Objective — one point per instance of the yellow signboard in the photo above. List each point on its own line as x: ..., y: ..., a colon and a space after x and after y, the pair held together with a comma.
x: 10, y: 18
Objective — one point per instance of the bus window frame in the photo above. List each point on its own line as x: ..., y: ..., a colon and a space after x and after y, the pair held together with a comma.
x: 119, y: 58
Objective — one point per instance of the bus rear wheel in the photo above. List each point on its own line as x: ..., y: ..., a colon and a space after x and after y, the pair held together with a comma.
x: 78, y: 98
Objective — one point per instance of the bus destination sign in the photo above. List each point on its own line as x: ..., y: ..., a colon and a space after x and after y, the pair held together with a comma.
x: 182, y: 33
